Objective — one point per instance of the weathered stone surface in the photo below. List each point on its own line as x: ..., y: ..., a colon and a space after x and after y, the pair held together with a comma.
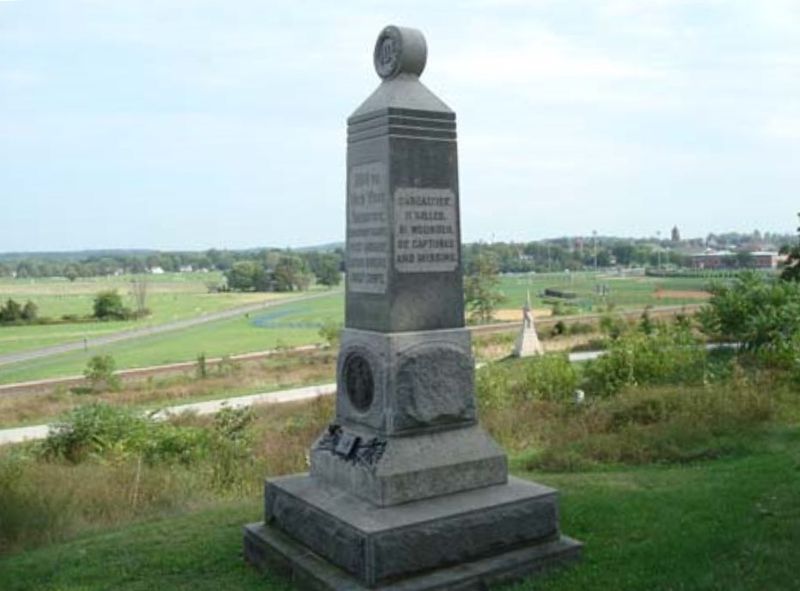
x: 411, y: 468
x: 406, y: 491
x: 403, y: 249
x: 380, y: 544
x: 418, y: 380
x: 275, y: 552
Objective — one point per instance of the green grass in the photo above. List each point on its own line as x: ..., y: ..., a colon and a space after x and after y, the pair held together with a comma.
x: 183, y: 295
x: 170, y: 297
x: 625, y: 292
x: 730, y: 524
x: 286, y: 325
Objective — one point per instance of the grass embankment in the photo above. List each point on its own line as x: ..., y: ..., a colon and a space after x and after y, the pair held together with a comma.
x: 284, y: 325
x: 731, y: 523
x: 673, y: 487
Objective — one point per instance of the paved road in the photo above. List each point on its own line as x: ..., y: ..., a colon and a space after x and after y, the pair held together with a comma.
x: 150, y: 330
x: 20, y: 434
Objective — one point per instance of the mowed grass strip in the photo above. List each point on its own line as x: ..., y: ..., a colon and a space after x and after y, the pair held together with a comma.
x: 296, y: 323
x: 726, y: 524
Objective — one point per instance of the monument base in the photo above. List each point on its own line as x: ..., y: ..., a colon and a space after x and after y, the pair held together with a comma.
x: 325, y: 538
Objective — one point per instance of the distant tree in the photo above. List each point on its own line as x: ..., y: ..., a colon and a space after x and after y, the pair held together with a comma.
x: 139, y: 285
x: 327, y: 271
x: 675, y: 236
x: 245, y: 276
x: 744, y: 260
x: 29, y: 311
x: 791, y: 268
x: 108, y: 306
x: 481, y: 289
x: 11, y: 312
x: 71, y: 272
x: 623, y: 253
x: 291, y: 273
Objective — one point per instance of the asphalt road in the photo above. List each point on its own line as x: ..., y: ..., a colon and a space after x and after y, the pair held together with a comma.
x: 136, y: 333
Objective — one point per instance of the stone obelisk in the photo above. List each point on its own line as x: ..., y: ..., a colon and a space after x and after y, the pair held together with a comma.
x: 405, y: 490
x: 527, y: 343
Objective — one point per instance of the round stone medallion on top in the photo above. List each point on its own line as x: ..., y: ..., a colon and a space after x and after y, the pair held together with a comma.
x: 400, y: 50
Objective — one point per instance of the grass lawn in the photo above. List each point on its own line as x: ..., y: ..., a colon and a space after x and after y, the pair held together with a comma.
x: 623, y: 292
x: 170, y: 297
x: 731, y: 524
x: 286, y: 325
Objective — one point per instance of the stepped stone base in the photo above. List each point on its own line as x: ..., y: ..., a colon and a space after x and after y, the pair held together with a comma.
x: 325, y: 538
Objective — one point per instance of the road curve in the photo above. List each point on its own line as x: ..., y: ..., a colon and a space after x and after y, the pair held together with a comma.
x: 136, y: 333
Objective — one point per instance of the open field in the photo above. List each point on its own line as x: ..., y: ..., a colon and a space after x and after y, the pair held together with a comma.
x: 171, y: 297
x: 290, y: 325
x: 286, y: 325
x: 622, y: 292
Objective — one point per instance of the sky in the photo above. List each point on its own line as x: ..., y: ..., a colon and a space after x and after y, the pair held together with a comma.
x: 192, y: 124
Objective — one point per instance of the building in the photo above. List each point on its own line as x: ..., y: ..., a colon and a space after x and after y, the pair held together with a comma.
x: 726, y: 259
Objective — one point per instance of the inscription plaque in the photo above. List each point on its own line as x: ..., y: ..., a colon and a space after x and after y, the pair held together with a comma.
x: 367, y: 229
x: 426, y: 230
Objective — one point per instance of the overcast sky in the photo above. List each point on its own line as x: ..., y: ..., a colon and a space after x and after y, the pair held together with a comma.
x: 179, y: 124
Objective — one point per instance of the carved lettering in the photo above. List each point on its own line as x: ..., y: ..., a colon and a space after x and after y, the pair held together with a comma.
x: 426, y: 230
x: 367, y: 229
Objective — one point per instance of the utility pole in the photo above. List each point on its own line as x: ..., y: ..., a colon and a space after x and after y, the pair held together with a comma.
x: 594, y: 237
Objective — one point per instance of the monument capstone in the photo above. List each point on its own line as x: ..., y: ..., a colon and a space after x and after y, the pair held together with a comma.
x: 405, y: 489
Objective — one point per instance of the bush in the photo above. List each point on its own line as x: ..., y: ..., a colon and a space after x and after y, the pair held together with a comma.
x: 547, y: 377
x: 100, y: 373
x: 100, y: 430
x: 760, y: 314
x: 543, y: 377
x: 108, y: 306
x: 231, y: 447
x: 669, y: 355
x: 332, y: 332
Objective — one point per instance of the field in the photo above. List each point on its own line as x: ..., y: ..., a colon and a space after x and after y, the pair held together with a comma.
x: 622, y: 292
x: 172, y: 296
x: 287, y: 325
x: 180, y: 296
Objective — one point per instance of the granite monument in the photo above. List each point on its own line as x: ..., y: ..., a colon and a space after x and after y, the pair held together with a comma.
x: 527, y: 343
x: 405, y: 489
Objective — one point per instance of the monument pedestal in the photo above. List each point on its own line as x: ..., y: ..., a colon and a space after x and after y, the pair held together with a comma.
x: 325, y: 538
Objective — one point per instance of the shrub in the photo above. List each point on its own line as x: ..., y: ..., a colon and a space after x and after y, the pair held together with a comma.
x: 100, y: 430
x: 760, y: 314
x: 670, y: 355
x: 108, y: 306
x: 331, y: 331
x: 202, y: 367
x: 547, y: 377
x: 231, y: 442
x: 100, y: 373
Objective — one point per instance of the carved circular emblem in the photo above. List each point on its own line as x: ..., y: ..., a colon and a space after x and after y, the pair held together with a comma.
x: 359, y: 382
x: 399, y: 50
